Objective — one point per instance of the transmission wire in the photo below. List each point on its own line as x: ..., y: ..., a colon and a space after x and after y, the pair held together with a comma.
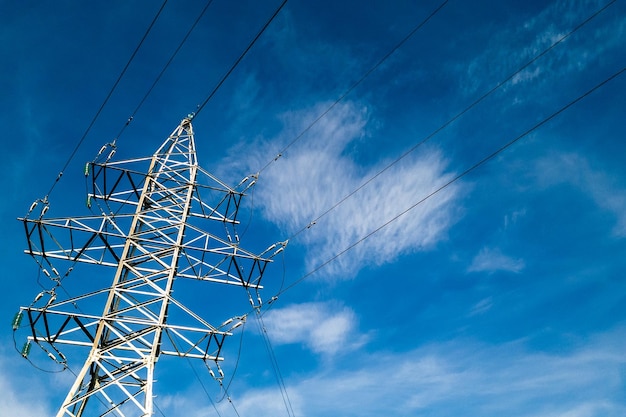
x: 354, y: 85
x: 438, y: 130
x: 145, y: 97
x: 203, y: 387
x: 115, y: 84
x: 197, y: 111
x: 274, y: 362
x: 37, y: 367
x: 234, y: 372
x: 158, y: 408
x: 243, y: 54
x: 158, y: 78
x: 444, y: 125
x: 456, y: 178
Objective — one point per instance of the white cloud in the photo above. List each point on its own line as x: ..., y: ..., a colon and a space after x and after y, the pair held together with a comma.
x: 590, y: 409
x: 468, y: 378
x: 492, y: 260
x: 575, y: 169
x: 482, y: 306
x: 527, y: 39
x: 269, y: 402
x: 19, y: 396
x: 459, y: 377
x: 322, y: 168
x: 512, y: 218
x: 324, y: 328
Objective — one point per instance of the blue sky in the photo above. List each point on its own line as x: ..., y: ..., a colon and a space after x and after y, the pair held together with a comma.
x: 502, y: 294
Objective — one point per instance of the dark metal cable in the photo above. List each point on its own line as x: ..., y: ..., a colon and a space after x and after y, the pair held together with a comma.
x: 274, y: 362
x: 206, y: 392
x: 234, y: 372
x: 243, y: 54
x: 158, y: 78
x: 119, y: 78
x: 458, y: 176
x: 145, y: 97
x: 271, y: 301
x: 158, y: 408
x: 356, y: 84
x: 451, y: 120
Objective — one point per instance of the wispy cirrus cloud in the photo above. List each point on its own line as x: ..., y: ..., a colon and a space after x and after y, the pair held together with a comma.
x: 440, y: 379
x: 481, y: 306
x: 492, y: 260
x: 527, y: 39
x: 468, y: 378
x: 324, y: 328
x: 15, y: 401
x: 600, y: 186
x: 322, y: 169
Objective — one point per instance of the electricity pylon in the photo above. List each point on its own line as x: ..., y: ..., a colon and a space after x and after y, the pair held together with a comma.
x: 151, y: 228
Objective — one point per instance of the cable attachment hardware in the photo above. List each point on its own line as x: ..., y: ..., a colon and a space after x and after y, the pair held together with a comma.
x: 254, y: 178
x: 112, y: 145
x: 51, y: 300
x: 45, y: 207
x: 256, y: 305
x: 219, y: 378
x: 26, y: 349
x: 240, y: 322
x: 17, y: 320
x: 54, y: 276
x: 281, y: 247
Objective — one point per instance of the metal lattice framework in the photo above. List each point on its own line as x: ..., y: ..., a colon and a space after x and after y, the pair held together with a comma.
x: 152, y: 230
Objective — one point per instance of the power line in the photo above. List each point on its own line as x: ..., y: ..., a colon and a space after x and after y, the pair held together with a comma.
x: 449, y: 121
x: 356, y: 84
x: 457, y: 177
x: 243, y: 54
x: 145, y: 97
x: 206, y: 392
x: 165, y: 67
x: 274, y: 362
x: 115, y: 84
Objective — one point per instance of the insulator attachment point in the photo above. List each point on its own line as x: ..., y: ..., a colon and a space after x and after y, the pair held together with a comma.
x: 17, y: 320
x: 26, y: 349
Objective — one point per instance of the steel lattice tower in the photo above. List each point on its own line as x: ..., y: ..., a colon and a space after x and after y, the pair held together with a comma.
x: 151, y: 229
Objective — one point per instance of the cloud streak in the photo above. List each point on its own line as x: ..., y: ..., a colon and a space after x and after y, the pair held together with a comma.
x: 16, y: 400
x: 323, y: 168
x: 324, y: 328
x: 457, y: 377
x: 493, y: 260
x: 575, y: 169
x: 463, y: 377
x: 585, y: 47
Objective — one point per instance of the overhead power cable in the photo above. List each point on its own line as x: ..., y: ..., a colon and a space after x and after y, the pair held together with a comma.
x: 165, y: 67
x: 356, y: 84
x: 204, y: 388
x: 457, y: 177
x: 159, y: 409
x: 226, y: 387
x: 243, y: 54
x: 115, y: 84
x: 449, y: 121
x: 274, y: 362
